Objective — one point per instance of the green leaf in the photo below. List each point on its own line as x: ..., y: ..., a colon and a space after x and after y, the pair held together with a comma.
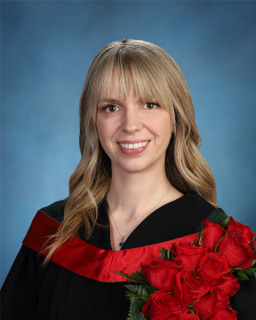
x: 165, y: 254
x: 132, y: 278
x: 168, y: 253
x: 253, y: 262
x: 126, y: 275
x: 141, y: 293
x: 134, y: 312
x: 159, y: 258
x: 194, y: 241
x: 241, y: 275
x: 225, y: 223
x: 138, y: 275
x: 132, y: 287
x: 121, y: 274
x: 149, y: 290
x: 248, y: 271
x: 200, y: 237
x: 253, y: 271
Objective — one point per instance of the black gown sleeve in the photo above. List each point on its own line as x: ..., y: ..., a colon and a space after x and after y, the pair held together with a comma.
x: 244, y: 301
x: 18, y: 293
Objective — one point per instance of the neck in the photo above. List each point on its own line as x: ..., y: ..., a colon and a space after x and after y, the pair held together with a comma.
x: 132, y: 195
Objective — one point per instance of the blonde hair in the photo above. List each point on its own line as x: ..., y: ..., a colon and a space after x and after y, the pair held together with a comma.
x: 152, y: 72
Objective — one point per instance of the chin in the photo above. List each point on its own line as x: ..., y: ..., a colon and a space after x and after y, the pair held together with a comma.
x: 134, y: 167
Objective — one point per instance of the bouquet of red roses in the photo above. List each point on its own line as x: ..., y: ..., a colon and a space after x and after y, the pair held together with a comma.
x: 194, y: 280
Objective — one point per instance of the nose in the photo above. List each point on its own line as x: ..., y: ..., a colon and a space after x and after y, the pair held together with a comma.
x: 131, y: 121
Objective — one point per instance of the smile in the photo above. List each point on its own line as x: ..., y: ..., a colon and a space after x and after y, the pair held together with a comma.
x: 134, y: 146
x: 132, y: 149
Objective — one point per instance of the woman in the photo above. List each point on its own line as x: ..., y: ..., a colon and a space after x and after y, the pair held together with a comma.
x: 141, y: 181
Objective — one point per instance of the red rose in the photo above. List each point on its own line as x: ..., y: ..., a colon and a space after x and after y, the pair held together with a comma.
x: 162, y: 306
x: 188, y: 288
x: 211, y: 303
x: 212, y: 267
x: 211, y: 234
x: 161, y: 273
x: 237, y: 250
x: 230, y: 284
x: 188, y: 255
x: 238, y: 245
x: 243, y: 231
x: 229, y: 314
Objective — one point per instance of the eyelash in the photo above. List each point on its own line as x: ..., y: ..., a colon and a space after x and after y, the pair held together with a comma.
x: 154, y: 103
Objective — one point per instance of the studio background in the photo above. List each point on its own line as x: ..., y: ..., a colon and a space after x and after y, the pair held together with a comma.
x: 47, y: 48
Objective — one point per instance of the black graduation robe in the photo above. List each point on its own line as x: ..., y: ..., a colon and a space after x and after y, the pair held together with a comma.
x: 31, y: 292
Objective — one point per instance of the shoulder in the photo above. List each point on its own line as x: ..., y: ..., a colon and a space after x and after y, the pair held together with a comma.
x: 196, y: 209
x: 196, y: 202
x: 55, y: 210
x: 203, y: 210
x: 44, y: 225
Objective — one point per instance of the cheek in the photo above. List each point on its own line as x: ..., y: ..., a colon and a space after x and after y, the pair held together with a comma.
x: 105, y: 130
x: 100, y: 128
x: 162, y: 127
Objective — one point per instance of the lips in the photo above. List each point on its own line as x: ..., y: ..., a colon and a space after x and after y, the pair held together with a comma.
x: 133, y: 141
x: 133, y: 151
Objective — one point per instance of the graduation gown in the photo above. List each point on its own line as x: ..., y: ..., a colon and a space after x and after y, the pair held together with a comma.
x: 80, y: 283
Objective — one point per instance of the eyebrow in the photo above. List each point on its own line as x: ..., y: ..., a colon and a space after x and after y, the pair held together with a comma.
x: 109, y: 100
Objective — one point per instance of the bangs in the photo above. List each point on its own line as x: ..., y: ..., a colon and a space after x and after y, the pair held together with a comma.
x: 128, y: 71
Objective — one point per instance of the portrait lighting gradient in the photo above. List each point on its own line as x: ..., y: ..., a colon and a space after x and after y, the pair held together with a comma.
x: 46, y: 50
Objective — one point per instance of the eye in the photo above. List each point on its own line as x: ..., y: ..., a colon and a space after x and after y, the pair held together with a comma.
x: 152, y: 105
x: 111, y: 107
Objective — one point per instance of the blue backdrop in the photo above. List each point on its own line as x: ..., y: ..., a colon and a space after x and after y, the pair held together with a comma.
x: 47, y: 48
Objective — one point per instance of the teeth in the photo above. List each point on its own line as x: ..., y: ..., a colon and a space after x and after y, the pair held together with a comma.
x: 134, y: 146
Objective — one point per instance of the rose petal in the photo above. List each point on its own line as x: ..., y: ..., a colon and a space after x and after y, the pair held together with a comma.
x: 161, y: 275
x: 241, y: 229
x: 209, y: 304
x: 162, y: 305
x: 231, y: 247
x: 212, y: 233
x: 188, y: 288
x: 229, y: 314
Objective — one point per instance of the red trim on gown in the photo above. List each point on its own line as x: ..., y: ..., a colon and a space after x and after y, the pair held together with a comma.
x: 88, y: 260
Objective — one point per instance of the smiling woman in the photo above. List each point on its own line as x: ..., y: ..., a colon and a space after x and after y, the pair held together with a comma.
x: 140, y: 184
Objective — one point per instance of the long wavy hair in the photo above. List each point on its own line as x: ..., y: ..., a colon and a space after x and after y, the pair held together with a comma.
x: 153, y: 72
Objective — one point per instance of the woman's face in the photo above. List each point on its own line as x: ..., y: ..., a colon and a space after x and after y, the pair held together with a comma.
x: 121, y: 123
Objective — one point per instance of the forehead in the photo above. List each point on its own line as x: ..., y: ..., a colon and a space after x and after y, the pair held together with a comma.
x: 118, y: 87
